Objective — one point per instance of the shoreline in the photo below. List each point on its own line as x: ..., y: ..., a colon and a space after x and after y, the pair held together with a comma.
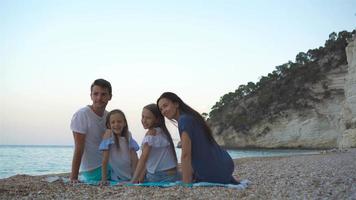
x: 235, y: 154
x: 63, y: 174
x: 330, y: 175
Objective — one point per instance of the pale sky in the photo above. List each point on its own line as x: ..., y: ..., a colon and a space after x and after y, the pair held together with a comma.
x: 51, y: 52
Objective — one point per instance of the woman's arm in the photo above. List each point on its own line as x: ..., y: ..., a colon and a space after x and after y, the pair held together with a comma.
x: 186, y: 158
x: 141, y: 166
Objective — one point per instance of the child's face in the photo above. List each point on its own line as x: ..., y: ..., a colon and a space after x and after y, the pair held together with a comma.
x: 148, y: 119
x: 117, y: 123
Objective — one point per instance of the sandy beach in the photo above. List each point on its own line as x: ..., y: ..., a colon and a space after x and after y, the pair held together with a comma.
x: 326, y: 176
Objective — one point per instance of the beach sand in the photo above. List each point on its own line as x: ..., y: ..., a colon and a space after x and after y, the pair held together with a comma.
x: 325, y: 176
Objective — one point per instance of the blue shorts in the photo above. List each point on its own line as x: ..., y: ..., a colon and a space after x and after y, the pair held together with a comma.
x: 162, y: 176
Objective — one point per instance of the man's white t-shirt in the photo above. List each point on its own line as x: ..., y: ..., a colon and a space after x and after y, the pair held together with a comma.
x: 86, y: 122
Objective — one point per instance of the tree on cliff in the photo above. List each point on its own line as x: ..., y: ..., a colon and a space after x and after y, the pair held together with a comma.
x: 284, y: 88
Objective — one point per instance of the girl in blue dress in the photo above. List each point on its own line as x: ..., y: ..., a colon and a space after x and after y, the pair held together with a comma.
x: 203, y: 160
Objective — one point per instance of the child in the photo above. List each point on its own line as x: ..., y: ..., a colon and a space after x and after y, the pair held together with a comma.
x: 158, y: 154
x: 119, y: 149
x: 202, y: 158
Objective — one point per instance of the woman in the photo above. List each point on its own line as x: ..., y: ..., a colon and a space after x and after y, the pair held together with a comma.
x: 202, y: 158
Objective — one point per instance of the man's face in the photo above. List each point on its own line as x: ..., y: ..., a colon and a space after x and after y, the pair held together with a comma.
x: 100, y: 97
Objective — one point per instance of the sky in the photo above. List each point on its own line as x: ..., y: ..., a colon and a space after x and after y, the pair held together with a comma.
x: 51, y: 52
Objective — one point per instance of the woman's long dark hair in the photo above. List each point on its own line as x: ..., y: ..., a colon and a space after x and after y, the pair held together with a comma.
x: 161, y: 124
x: 125, y: 130
x: 184, y: 108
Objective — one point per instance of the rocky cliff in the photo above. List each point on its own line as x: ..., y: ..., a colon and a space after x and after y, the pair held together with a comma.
x: 307, y: 104
x: 347, y: 138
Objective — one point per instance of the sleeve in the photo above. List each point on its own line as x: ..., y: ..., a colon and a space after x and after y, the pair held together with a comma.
x: 105, y: 144
x: 186, y: 124
x: 79, y: 123
x: 133, y: 144
x: 155, y: 141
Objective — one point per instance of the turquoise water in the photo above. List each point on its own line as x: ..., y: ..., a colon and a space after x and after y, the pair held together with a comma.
x: 34, y: 160
x: 39, y: 160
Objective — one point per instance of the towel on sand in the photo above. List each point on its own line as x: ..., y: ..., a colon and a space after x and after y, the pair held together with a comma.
x: 243, y: 183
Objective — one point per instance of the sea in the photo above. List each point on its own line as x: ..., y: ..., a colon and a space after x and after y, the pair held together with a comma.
x: 43, y: 159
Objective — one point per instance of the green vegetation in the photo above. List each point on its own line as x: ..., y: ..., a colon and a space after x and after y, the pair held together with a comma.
x: 284, y: 88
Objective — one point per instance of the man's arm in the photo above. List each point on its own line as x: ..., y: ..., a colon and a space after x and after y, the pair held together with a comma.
x: 79, y: 142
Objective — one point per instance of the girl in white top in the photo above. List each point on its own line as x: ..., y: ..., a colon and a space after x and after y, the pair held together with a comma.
x: 119, y: 149
x: 158, y: 154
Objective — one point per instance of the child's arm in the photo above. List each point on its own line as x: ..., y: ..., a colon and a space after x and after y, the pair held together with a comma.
x: 142, y: 176
x: 104, y: 147
x: 134, y: 159
x: 104, y: 167
x: 186, y: 158
x: 141, y: 166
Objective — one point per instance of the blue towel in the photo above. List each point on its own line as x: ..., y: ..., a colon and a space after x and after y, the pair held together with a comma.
x: 243, y: 184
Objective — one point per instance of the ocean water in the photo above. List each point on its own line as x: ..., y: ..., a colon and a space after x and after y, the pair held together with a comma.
x: 34, y: 160
x: 39, y: 160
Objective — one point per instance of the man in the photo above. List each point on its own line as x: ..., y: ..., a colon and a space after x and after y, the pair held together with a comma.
x: 88, y: 125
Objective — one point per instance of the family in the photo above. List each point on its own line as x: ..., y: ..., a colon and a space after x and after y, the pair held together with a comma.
x: 104, y: 149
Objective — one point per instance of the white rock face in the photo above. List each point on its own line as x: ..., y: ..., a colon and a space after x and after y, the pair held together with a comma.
x: 330, y: 124
x: 348, y: 136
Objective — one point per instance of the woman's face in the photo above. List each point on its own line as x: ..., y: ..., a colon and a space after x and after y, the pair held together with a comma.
x: 168, y: 108
x: 148, y: 119
x: 117, y: 123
